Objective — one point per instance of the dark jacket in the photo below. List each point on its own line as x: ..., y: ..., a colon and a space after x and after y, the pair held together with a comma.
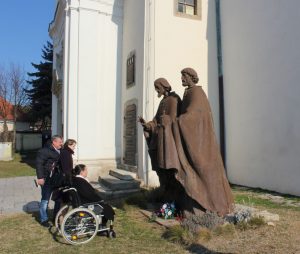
x: 46, y: 158
x: 85, y: 191
x: 66, y: 161
x: 88, y: 194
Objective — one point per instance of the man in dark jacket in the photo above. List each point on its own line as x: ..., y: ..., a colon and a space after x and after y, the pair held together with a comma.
x: 47, y: 157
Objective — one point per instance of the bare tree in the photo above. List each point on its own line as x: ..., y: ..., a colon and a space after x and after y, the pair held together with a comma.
x: 19, y: 98
x: 5, y: 98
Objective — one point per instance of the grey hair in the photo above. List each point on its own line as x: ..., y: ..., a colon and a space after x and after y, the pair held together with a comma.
x: 54, y: 137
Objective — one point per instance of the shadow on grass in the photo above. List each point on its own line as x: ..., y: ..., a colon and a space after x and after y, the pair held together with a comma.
x: 152, y: 197
x: 53, y: 231
x: 197, y: 248
x: 28, y: 157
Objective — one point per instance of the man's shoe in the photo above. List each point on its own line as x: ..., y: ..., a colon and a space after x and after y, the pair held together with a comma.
x: 45, y: 224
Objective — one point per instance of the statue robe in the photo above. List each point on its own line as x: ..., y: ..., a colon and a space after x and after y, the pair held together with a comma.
x: 201, y: 171
x: 161, y: 144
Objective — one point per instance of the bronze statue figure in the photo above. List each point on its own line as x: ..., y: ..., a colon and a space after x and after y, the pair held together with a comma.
x: 184, y: 150
x: 158, y: 132
x: 202, y: 173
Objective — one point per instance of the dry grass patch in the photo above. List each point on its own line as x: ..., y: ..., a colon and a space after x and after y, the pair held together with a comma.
x: 204, y: 234
x: 226, y: 230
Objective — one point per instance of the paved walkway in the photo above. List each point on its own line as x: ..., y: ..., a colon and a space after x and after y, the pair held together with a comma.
x: 19, y: 195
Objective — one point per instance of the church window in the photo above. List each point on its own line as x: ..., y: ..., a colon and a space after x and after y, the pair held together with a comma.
x: 188, y: 8
x: 130, y: 72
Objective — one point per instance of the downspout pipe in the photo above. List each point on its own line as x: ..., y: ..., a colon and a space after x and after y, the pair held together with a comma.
x: 221, y: 86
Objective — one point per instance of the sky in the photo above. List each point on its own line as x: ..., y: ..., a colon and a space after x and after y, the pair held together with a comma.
x: 24, y: 30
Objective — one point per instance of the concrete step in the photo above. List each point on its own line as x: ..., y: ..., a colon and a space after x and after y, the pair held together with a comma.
x: 123, y: 174
x: 115, y: 184
x: 127, y: 167
x: 108, y: 194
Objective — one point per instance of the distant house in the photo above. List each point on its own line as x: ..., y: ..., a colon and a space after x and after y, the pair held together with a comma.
x: 6, y: 112
x: 22, y: 119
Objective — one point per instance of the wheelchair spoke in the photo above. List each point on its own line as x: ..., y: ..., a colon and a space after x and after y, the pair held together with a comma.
x: 80, y: 226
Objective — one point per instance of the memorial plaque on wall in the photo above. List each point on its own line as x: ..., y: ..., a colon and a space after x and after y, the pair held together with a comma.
x: 130, y: 137
x: 130, y: 71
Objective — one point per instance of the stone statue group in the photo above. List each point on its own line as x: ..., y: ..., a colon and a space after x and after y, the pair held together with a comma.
x: 184, y: 151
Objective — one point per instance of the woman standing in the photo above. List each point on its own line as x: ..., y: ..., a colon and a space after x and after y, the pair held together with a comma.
x: 66, y: 158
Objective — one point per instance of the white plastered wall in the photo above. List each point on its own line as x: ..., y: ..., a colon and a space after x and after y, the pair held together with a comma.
x: 57, y: 33
x: 133, y: 41
x: 261, y: 60
x: 182, y: 42
x: 92, y: 78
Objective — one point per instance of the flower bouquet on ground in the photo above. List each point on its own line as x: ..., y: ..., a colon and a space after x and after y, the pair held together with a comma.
x: 168, y: 211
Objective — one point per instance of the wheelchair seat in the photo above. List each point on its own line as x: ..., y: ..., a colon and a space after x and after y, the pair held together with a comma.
x: 72, y: 196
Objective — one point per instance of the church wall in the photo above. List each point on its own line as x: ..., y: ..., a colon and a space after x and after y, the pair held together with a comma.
x: 92, y: 108
x: 57, y: 33
x: 99, y: 81
x: 184, y: 42
x: 261, y: 60
x: 133, y: 42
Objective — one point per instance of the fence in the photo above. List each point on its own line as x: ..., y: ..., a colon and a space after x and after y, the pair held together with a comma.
x: 26, y: 141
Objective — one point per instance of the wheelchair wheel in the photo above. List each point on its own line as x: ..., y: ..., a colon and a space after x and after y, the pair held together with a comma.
x: 79, y: 226
x: 111, y: 234
x: 60, y: 216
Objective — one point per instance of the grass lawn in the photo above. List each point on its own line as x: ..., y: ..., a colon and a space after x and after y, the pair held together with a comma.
x: 22, y: 234
x: 136, y: 234
x: 19, y: 166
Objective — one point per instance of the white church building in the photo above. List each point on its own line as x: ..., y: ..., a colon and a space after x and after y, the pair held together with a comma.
x: 107, y: 54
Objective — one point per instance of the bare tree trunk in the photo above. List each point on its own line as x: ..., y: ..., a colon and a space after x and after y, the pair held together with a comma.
x: 5, y: 131
x: 5, y: 107
x: 14, y: 130
x: 18, y: 85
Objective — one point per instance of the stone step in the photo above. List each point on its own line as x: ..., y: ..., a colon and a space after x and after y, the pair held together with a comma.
x: 115, y: 184
x: 108, y: 194
x: 123, y: 174
x: 127, y: 167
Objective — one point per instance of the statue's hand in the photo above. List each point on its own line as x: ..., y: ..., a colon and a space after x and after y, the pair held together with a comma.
x: 147, y: 127
x: 141, y: 120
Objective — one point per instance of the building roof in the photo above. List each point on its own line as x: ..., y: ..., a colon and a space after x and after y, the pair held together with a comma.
x: 22, y: 116
x: 9, y: 107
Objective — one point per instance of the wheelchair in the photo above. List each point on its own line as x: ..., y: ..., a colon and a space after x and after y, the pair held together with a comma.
x: 79, y: 223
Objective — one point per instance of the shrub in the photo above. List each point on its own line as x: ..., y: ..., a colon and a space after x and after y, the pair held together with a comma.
x: 225, y: 230
x: 256, y: 222
x: 208, y: 220
x: 204, y: 234
x: 253, y: 223
x: 178, y: 234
